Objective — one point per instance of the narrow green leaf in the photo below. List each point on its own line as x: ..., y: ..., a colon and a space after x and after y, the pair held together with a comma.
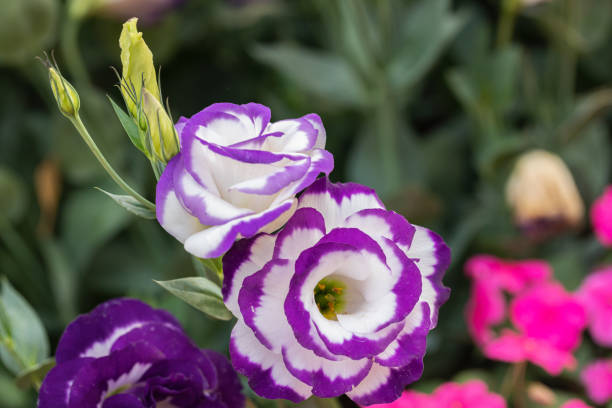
x: 131, y: 204
x: 34, y: 376
x: 314, y: 402
x: 23, y: 339
x: 323, y: 74
x: 200, y: 293
x: 128, y: 125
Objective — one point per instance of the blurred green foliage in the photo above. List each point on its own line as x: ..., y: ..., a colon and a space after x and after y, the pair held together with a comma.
x: 428, y: 101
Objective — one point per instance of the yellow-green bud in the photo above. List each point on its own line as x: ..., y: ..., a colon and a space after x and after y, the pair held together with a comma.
x: 138, y: 69
x: 163, y: 140
x: 66, y: 96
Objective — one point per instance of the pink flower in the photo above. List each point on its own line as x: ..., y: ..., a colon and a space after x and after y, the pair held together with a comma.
x: 597, y: 379
x: 601, y: 217
x: 596, y: 296
x: 550, y: 323
x: 575, y: 403
x: 513, y: 347
x: 486, y: 307
x: 472, y: 394
x: 512, y: 276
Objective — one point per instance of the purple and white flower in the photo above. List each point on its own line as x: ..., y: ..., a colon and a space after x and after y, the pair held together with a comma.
x: 339, y: 301
x: 237, y: 174
x: 124, y: 354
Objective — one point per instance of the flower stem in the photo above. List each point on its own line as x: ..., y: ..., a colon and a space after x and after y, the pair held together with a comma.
x: 514, y: 384
x: 70, y: 50
x: 507, y: 17
x: 80, y: 127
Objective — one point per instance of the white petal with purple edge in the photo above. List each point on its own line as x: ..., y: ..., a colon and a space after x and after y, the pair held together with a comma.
x: 338, y: 201
x: 266, y: 370
x: 215, y: 241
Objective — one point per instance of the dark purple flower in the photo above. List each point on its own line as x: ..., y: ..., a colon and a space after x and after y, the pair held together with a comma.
x: 339, y: 301
x: 124, y: 354
x: 237, y: 174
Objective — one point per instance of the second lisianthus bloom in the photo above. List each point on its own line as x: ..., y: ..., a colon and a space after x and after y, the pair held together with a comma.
x: 339, y: 301
x: 237, y: 174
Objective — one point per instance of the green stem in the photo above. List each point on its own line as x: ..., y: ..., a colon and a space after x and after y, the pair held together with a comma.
x: 70, y: 50
x: 505, y: 28
x: 569, y: 58
x: 80, y: 127
x: 387, y: 131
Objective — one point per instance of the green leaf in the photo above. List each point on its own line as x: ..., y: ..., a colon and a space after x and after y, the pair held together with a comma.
x: 426, y: 29
x: 23, y: 339
x: 128, y: 125
x: 34, y: 376
x: 89, y: 221
x: 323, y: 74
x: 13, y: 197
x: 131, y: 204
x: 200, y: 293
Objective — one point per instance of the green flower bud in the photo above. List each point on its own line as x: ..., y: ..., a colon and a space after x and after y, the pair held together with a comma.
x: 138, y: 69
x: 163, y: 140
x: 66, y: 96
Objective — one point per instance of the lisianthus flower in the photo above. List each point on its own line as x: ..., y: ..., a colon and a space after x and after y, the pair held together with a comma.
x: 339, y: 301
x: 597, y: 379
x: 237, y: 174
x: 595, y: 294
x: 491, y: 277
x: 601, y: 217
x: 549, y: 322
x: 124, y: 354
x: 575, y: 403
x: 472, y: 394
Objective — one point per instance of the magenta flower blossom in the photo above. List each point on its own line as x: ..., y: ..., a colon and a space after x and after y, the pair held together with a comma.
x: 124, y: 354
x: 597, y: 379
x: 575, y: 403
x: 472, y: 394
x: 339, y: 301
x: 491, y: 277
x: 596, y: 296
x: 549, y: 322
x: 237, y: 174
x: 601, y: 217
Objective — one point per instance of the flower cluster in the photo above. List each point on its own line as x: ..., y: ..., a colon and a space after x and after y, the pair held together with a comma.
x: 548, y: 321
x: 126, y: 354
x: 601, y: 217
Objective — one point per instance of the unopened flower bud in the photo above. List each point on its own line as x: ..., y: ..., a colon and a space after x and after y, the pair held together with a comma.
x: 163, y: 139
x: 66, y: 96
x: 542, y: 191
x: 138, y: 69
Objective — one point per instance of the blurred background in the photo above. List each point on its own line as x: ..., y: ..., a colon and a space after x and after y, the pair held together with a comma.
x: 431, y: 102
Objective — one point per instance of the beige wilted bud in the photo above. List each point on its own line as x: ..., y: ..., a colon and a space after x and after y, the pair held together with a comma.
x: 541, y: 394
x: 541, y: 189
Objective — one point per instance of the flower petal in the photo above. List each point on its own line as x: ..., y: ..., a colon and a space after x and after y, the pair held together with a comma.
x: 432, y: 257
x: 215, y: 241
x: 302, y: 231
x: 338, y: 201
x: 93, y: 334
x: 171, y: 215
x: 266, y: 371
x: 246, y: 257
x: 384, y: 384
x: 55, y: 390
